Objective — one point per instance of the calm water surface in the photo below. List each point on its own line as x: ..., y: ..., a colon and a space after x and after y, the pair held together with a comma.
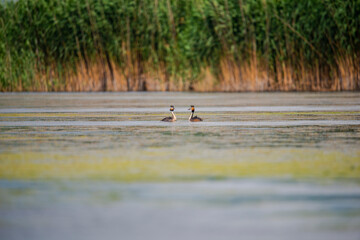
x: 102, y: 166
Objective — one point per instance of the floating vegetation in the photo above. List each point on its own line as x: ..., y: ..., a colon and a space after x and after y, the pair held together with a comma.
x: 157, y: 165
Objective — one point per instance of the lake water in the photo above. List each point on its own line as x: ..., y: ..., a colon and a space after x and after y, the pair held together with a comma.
x: 103, y: 166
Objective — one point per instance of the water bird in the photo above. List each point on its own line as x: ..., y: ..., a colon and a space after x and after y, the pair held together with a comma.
x: 172, y: 118
x: 192, y: 118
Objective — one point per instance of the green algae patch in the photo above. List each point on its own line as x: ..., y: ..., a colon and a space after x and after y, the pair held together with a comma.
x: 117, y: 114
x: 160, y: 166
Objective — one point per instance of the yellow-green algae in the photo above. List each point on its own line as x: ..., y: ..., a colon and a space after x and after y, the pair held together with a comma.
x: 159, y: 166
x: 115, y: 114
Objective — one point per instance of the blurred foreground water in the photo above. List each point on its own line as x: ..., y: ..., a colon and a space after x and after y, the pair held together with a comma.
x: 102, y: 166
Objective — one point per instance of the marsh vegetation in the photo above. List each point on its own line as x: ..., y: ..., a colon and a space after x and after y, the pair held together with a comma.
x: 179, y: 45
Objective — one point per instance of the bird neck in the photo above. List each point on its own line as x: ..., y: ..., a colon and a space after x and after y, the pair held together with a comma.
x: 173, y: 115
x: 191, y: 115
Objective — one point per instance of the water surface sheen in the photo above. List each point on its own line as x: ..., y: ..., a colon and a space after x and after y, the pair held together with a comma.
x: 103, y: 166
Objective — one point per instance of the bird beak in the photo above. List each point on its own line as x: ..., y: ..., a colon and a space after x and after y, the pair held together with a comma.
x: 189, y: 109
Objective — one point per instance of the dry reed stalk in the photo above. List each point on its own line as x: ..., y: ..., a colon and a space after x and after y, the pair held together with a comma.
x: 244, y: 76
x: 233, y: 77
x: 206, y: 83
x: 346, y: 75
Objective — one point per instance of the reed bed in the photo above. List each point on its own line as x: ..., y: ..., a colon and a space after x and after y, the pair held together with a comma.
x: 179, y: 45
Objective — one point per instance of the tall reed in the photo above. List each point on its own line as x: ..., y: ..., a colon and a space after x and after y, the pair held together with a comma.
x: 179, y: 45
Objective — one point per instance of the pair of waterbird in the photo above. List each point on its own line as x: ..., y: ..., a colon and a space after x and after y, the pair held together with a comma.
x: 192, y: 118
